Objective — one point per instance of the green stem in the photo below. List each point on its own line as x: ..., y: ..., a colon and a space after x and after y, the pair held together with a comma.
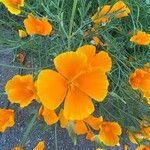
x: 71, y: 22
x: 56, y: 147
x: 27, y: 132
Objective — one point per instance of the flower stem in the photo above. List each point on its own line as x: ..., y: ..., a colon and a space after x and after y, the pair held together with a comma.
x: 27, y: 132
x: 56, y: 147
x: 71, y: 22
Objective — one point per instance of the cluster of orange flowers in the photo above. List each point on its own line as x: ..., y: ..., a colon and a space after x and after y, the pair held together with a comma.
x: 74, y: 70
x: 119, y: 9
x: 79, y: 78
x: 32, y: 24
x: 109, y: 132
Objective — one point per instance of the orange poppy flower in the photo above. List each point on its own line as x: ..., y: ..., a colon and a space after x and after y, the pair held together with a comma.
x: 49, y: 116
x: 37, y: 26
x: 17, y: 148
x: 21, y: 90
x: 121, y: 9
x: 143, y: 147
x: 109, y: 133
x: 141, y: 38
x: 40, y: 146
x: 140, y: 79
x: 71, y: 81
x: 101, y: 16
x: 6, y: 119
x: 22, y: 34
x: 13, y: 6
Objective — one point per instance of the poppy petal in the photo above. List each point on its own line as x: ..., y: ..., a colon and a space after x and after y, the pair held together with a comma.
x: 102, y: 61
x: 97, y: 85
x: 17, y: 148
x: 6, y: 119
x: 13, y: 7
x: 70, y: 64
x: 80, y: 128
x: 147, y: 96
x: 94, y: 122
x: 109, y: 139
x: 62, y: 119
x: 88, y: 50
x: 49, y: 116
x: 90, y: 136
x: 102, y: 15
x: 120, y: 6
x: 40, y: 146
x: 143, y: 147
x: 75, y: 102
x: 51, y: 88
x: 115, y: 127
